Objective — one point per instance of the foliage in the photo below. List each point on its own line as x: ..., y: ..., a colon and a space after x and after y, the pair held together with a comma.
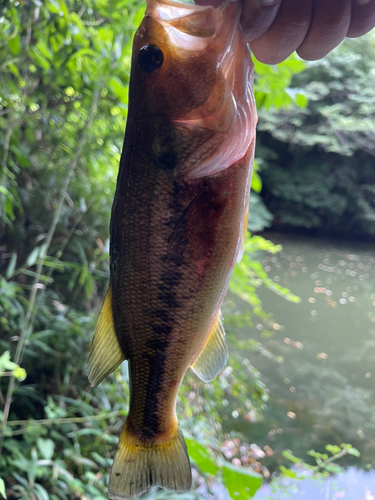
x: 249, y: 274
x: 272, y: 85
x: 272, y: 90
x: 240, y: 481
x: 8, y: 368
x: 64, y: 71
x: 332, y: 138
x: 340, y: 116
x: 325, y: 466
x: 2, y: 488
x: 324, y: 463
x: 259, y: 215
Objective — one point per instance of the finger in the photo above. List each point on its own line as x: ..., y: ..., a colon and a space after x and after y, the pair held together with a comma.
x: 257, y: 17
x: 286, y: 33
x: 362, y: 19
x: 329, y: 25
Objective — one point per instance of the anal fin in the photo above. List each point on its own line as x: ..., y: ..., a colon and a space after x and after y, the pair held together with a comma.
x: 106, y: 354
x: 214, y: 356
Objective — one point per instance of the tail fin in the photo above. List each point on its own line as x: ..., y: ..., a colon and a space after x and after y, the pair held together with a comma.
x: 138, y: 466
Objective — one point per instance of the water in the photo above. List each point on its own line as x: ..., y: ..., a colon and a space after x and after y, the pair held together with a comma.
x: 352, y: 485
x: 324, y: 392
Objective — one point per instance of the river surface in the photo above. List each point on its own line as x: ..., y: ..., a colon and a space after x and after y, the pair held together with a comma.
x: 324, y: 391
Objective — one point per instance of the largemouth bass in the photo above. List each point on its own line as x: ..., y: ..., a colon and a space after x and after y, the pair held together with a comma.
x: 178, y: 224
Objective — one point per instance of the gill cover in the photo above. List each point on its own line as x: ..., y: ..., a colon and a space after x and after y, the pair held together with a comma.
x: 196, y: 87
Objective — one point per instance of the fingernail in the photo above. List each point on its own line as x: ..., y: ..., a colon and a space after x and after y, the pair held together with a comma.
x: 362, y: 2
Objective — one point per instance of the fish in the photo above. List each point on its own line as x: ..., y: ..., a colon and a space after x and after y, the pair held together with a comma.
x: 178, y: 224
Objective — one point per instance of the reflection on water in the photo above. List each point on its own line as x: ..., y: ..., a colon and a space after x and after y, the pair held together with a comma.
x: 324, y: 392
x: 352, y: 485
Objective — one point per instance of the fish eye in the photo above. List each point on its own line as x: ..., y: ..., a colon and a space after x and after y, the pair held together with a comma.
x: 150, y: 58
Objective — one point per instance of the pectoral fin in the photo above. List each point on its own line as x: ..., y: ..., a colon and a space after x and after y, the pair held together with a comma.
x: 106, y: 354
x: 214, y: 356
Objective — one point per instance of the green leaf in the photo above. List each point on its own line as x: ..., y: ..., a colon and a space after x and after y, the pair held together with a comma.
x: 31, y: 259
x: 4, y: 362
x: 241, y: 483
x: 138, y: 16
x: 38, y: 58
x: 44, y: 49
x: 14, y: 45
x: 53, y: 7
x: 333, y: 468
x: 256, y: 182
x: 349, y: 448
x: 5, y: 191
x: 74, y: 18
x: 199, y: 454
x: 46, y: 448
x: 289, y: 455
x: 118, y: 88
x: 19, y: 373
x: 334, y: 449
x: 14, y: 70
x: 8, y: 205
x: 64, y: 8
x: 317, y: 455
x: 288, y: 472
x: 301, y: 100
x: 55, y: 46
x: 12, y: 265
x: 354, y: 452
x: 40, y: 492
x: 2, y: 488
x: 7, y: 364
x: 83, y: 275
x: 83, y: 52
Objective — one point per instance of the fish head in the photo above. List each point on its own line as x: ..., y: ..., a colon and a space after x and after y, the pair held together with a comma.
x: 191, y: 87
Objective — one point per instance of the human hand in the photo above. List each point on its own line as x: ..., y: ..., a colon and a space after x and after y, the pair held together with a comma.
x: 276, y: 28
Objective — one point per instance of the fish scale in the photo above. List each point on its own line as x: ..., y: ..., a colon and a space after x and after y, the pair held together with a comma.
x: 178, y: 221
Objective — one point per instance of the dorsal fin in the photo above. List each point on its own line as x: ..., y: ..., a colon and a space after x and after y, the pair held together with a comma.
x: 214, y: 356
x: 106, y: 354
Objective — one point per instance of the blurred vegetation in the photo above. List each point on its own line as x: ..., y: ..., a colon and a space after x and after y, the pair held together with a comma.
x: 333, y: 137
x: 64, y: 70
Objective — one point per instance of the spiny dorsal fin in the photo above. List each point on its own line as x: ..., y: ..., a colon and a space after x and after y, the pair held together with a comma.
x: 214, y: 356
x: 106, y: 354
x: 243, y: 237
